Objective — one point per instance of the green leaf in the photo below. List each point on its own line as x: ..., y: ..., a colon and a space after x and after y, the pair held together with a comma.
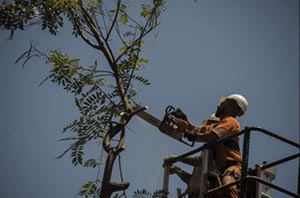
x: 122, y: 49
x: 88, y: 189
x: 142, y: 80
x: 112, y: 11
x: 77, y: 152
x: 90, y: 3
x: 91, y: 163
x: 122, y: 7
x: 145, y: 11
x: 142, y: 194
x: 124, y: 18
x: 143, y: 60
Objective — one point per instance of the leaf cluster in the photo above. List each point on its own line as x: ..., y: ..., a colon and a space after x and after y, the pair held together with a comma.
x: 146, y: 194
x: 23, y: 13
x: 15, y: 15
x: 90, y: 189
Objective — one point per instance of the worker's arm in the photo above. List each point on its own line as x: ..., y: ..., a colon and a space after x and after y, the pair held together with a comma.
x: 200, y: 137
x: 193, y: 132
x: 183, y: 125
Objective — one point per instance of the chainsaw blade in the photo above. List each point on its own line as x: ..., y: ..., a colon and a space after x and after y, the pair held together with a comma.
x: 149, y: 118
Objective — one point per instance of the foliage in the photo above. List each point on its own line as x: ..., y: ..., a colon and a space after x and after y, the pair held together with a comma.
x: 90, y: 189
x: 146, y: 194
x: 23, y: 13
x: 101, y: 96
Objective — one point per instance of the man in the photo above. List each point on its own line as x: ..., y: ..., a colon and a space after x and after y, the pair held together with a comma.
x: 227, y: 154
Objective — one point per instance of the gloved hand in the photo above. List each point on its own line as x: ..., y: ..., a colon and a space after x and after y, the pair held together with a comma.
x: 181, y: 124
x: 178, y: 113
x: 190, y: 135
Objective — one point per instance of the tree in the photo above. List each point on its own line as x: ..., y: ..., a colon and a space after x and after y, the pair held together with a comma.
x: 104, y: 97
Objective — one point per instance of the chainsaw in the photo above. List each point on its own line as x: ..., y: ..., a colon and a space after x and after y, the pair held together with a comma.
x: 167, y: 126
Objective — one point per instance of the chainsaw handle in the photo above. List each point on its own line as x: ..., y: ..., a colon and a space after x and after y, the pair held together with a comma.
x: 191, y: 144
x: 169, y: 109
x: 167, y: 127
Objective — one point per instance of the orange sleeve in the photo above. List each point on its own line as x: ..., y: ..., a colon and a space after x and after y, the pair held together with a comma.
x: 225, y: 127
x: 204, y: 129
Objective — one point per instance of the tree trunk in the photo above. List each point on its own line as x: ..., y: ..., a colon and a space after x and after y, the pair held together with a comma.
x: 108, y: 187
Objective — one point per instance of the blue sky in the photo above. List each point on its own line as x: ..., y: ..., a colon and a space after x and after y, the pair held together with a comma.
x: 204, y: 50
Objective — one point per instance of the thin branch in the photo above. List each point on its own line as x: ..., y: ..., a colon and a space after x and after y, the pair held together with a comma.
x: 31, y: 52
x: 65, y: 152
x: 120, y: 36
x: 103, y: 18
x: 94, y: 17
x: 100, y: 161
x: 43, y: 81
x: 69, y: 138
x: 121, y: 173
x: 112, y: 102
x: 96, y: 32
x: 114, y: 20
x: 102, y: 75
x: 134, y: 21
x: 149, y: 49
x: 131, y: 130
x: 143, y: 33
x: 121, y: 146
x: 95, y: 70
x: 88, y: 41
x: 79, y: 30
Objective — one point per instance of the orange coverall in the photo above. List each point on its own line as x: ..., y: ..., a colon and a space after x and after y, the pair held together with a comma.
x: 226, y: 154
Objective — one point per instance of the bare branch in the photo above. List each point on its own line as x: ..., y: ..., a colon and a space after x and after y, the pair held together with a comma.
x: 79, y: 30
x: 65, y: 152
x: 114, y: 20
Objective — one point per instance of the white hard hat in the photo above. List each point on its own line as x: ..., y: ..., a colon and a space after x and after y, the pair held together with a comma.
x: 240, y: 100
x: 212, y: 118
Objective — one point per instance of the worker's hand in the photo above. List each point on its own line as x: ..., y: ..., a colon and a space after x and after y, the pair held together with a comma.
x: 190, y: 135
x: 181, y: 124
x: 178, y: 113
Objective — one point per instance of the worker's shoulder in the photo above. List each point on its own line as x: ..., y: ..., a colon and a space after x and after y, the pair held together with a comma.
x: 230, y: 119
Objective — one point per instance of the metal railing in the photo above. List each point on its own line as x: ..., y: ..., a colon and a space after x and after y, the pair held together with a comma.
x: 245, y: 178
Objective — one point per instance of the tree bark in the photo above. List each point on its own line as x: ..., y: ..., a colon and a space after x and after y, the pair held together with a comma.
x: 108, y: 187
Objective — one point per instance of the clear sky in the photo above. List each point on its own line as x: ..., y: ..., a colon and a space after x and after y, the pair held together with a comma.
x: 204, y: 50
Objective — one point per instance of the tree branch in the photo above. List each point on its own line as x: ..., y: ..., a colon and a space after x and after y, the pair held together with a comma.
x: 114, y: 21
